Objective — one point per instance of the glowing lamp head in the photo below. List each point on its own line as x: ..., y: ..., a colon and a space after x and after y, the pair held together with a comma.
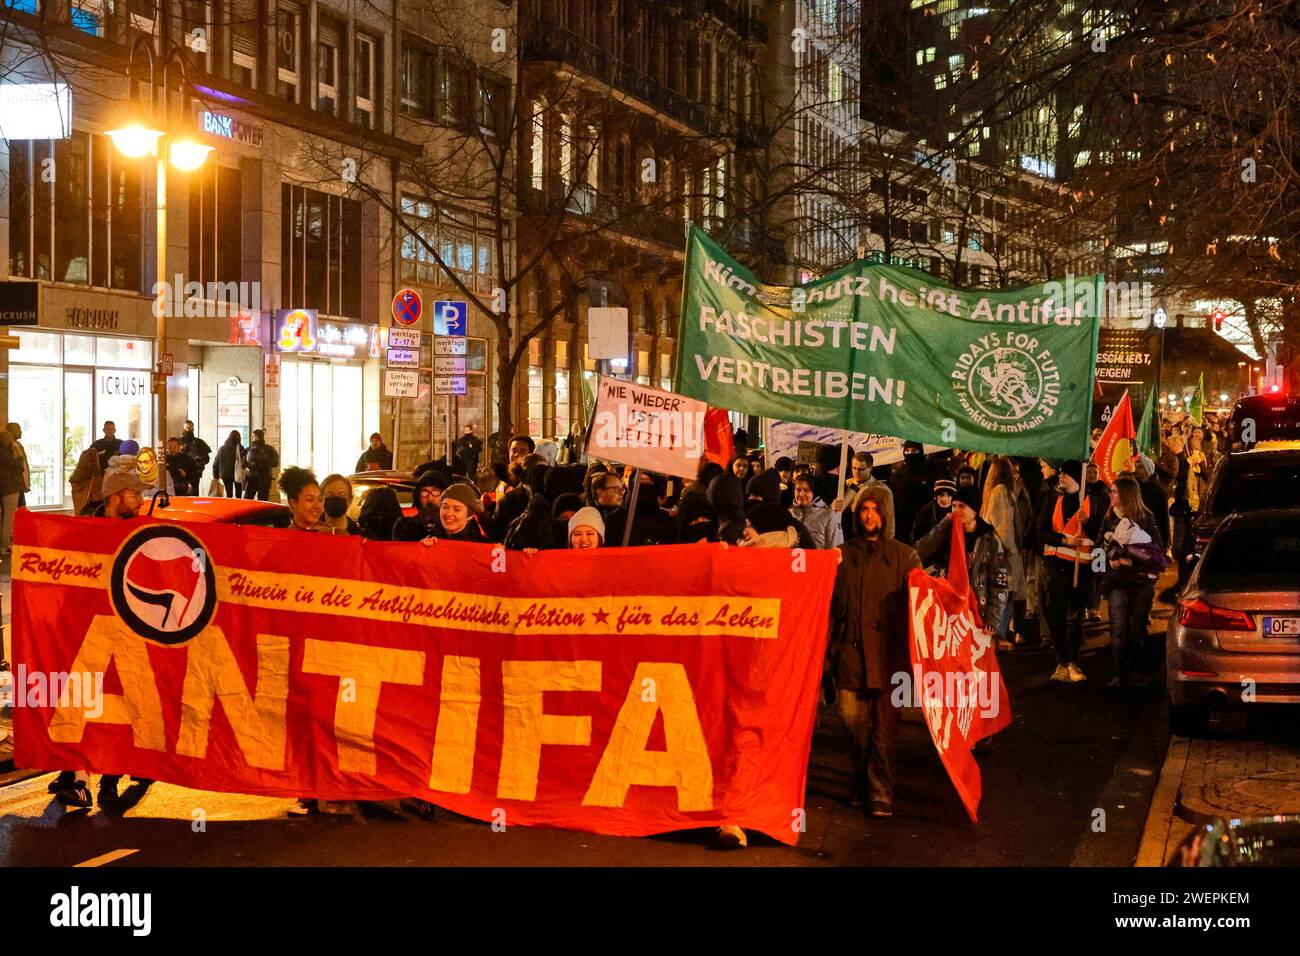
x: 1275, y: 388
x: 187, y: 155
x: 135, y: 140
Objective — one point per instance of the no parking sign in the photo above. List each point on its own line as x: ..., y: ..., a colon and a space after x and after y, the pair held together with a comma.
x: 407, y: 307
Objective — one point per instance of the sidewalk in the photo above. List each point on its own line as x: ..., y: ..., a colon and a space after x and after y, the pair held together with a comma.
x: 1248, y: 767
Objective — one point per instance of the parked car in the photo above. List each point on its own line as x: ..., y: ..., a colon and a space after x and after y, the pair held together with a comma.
x: 1235, y: 638
x: 1266, y: 477
x: 243, y: 511
x: 402, y: 482
x: 1254, y: 841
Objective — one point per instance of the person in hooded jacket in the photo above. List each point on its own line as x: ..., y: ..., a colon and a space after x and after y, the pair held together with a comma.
x: 535, y: 527
x: 986, y: 558
x: 868, y: 646
x: 810, y: 511
x: 911, y: 484
x: 380, y: 514
x: 651, y: 525
x: 565, y: 507
x: 765, y: 486
x: 696, y: 519
x: 727, y: 498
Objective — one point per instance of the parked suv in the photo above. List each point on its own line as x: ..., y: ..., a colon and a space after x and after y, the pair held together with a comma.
x: 1235, y: 638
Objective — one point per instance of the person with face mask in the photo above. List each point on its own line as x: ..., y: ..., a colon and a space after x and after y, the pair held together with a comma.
x: 337, y: 492
x: 868, y: 645
x: 911, y: 484
x: 936, y: 510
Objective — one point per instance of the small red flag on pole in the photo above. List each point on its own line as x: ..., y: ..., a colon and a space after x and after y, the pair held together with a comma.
x: 1114, y: 452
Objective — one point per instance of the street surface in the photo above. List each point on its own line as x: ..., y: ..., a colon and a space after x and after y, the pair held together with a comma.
x: 1072, y: 750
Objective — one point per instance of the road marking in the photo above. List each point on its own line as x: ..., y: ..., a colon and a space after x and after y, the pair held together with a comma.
x: 105, y: 858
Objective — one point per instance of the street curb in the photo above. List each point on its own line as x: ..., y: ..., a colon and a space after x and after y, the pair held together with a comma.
x: 1163, y: 810
x: 1126, y: 788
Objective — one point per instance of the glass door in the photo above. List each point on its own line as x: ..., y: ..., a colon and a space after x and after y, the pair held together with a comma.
x: 35, y: 394
x: 78, y: 416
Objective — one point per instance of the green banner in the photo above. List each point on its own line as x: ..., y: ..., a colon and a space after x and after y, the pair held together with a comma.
x: 887, y: 350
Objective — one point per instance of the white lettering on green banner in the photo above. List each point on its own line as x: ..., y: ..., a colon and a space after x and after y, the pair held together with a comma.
x: 888, y: 350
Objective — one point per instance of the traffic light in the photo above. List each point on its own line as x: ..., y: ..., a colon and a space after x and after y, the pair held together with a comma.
x: 1219, y: 316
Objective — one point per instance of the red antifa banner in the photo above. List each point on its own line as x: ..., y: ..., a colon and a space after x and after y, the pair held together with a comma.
x: 955, y: 673
x: 630, y: 691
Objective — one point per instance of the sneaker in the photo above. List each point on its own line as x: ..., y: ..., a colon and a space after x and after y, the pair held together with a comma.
x: 301, y: 808
x: 76, y: 794
x: 1076, y: 675
x: 66, y: 778
x: 881, y: 810
x: 732, y: 837
x: 1061, y: 673
x: 108, y: 798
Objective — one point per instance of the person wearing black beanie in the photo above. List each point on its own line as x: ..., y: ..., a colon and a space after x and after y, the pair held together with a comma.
x: 1069, y: 531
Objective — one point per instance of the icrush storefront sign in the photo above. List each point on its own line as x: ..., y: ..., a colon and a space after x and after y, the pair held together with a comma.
x: 883, y: 349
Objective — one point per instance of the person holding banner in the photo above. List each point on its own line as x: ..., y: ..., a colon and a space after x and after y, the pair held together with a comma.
x: 868, y: 645
x: 1069, y: 525
x: 986, y: 558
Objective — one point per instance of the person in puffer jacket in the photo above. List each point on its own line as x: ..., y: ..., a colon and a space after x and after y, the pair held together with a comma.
x: 822, y: 523
x: 1135, y: 556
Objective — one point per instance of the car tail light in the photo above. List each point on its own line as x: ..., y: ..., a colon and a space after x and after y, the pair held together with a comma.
x: 1200, y: 614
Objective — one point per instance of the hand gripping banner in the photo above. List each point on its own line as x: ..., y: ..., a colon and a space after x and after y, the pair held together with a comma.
x: 955, y: 670
x: 630, y: 691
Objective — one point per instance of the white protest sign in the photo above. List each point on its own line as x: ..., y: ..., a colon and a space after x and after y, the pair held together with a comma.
x: 647, y: 428
x: 783, y: 438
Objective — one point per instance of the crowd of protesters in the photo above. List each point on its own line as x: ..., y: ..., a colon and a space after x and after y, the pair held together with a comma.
x: 1033, y: 530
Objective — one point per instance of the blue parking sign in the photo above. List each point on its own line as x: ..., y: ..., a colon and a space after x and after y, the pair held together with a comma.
x: 450, y: 317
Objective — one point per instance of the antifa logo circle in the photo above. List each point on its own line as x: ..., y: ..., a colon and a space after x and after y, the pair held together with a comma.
x: 163, y: 585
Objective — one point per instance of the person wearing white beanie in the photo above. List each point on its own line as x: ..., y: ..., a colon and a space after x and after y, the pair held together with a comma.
x: 586, y: 528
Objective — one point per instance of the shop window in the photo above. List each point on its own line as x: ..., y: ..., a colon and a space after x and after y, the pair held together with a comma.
x: 82, y: 226
x: 561, y: 389
x: 78, y: 349
x: 366, y: 81
x: 535, y: 389
x: 320, y: 264
x: 215, y: 225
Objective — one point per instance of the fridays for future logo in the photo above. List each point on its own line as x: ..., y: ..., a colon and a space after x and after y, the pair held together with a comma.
x: 163, y: 586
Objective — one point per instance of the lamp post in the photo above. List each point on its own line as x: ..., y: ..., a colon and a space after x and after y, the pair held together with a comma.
x: 136, y: 140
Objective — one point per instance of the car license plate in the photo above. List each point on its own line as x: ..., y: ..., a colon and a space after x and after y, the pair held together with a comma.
x: 1282, y: 626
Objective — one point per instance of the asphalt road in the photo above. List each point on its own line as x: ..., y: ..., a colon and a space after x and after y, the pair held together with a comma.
x: 1072, y: 750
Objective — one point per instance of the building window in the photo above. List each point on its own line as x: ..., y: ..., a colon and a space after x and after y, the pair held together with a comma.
x: 366, y: 81
x: 215, y: 225
x: 320, y: 256
x: 83, y: 226
x: 328, y: 38
x: 143, y: 13
x: 417, y: 80
x: 288, y: 51
x: 196, y: 23
x: 493, y: 105
x: 87, y: 16
x: 465, y: 241
x: 537, y: 147
x: 453, y: 90
x: 244, y: 28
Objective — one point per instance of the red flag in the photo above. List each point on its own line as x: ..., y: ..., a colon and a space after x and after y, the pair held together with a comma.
x: 957, y: 681
x: 718, y: 443
x: 1114, y: 452
x: 160, y: 582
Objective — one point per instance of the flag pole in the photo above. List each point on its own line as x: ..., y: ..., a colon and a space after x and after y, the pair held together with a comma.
x: 844, y: 462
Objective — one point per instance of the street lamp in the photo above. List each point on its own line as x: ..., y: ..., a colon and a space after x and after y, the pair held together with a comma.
x: 136, y: 140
